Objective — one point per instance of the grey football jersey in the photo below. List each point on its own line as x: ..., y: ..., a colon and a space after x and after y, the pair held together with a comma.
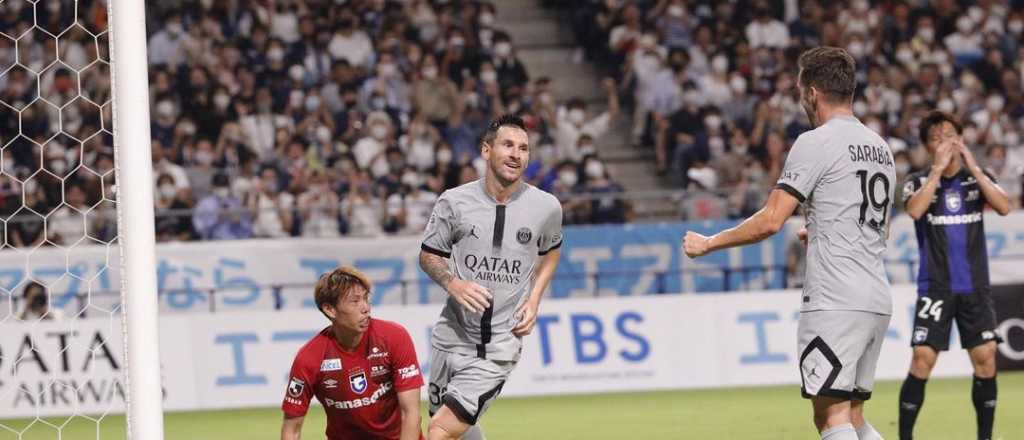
x: 497, y: 246
x: 844, y: 174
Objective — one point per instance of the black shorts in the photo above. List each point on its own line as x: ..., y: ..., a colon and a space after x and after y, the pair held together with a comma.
x: 975, y: 317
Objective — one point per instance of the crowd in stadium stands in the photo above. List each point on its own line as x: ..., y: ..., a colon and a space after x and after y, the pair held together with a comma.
x: 312, y: 118
x: 714, y: 83
x: 323, y: 118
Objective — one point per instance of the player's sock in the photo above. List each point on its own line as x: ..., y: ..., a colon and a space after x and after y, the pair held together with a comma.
x: 474, y: 433
x: 911, y: 399
x: 868, y: 432
x: 983, y: 393
x: 841, y: 432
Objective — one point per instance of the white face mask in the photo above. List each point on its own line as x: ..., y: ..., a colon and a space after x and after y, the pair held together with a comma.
x: 594, y: 169
x: 486, y: 18
x: 275, y: 54
x: 970, y: 135
x: 489, y: 76
x: 902, y: 167
x: 312, y: 103
x: 719, y: 64
x: 568, y: 178
x: 387, y: 70
x: 58, y: 167
x: 323, y: 134
x: 926, y: 34
x: 947, y: 105
x: 430, y: 72
x: 502, y: 49
x: 444, y: 156
x: 174, y: 28
x: 167, y: 190
x: 856, y: 49
x: 576, y: 116
x: 379, y: 132
x: 221, y: 192
x: 221, y: 101
x: 412, y: 179
x: 1015, y: 26
x: 738, y: 85
x: 204, y: 157
x: 874, y: 126
x: 860, y: 108
x: 713, y: 122
x: 676, y: 11
x: 994, y: 103
x: 964, y: 25
x: 296, y: 73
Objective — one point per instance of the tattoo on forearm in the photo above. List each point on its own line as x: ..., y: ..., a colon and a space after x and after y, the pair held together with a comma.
x: 436, y: 268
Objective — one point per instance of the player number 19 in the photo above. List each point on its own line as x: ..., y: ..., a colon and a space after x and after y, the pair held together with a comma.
x: 867, y: 190
x: 929, y: 308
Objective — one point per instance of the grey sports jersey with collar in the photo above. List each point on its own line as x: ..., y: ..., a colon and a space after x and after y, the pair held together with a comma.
x: 497, y: 246
x: 844, y: 174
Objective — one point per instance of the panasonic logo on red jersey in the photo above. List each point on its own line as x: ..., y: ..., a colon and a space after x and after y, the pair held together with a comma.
x: 359, y: 403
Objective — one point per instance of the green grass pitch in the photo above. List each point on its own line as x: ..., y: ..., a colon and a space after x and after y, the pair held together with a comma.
x: 740, y: 413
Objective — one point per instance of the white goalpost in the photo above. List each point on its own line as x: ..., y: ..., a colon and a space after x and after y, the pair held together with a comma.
x: 134, y: 175
x: 75, y: 147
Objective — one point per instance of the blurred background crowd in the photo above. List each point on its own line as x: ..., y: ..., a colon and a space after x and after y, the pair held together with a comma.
x: 324, y: 118
x: 712, y: 85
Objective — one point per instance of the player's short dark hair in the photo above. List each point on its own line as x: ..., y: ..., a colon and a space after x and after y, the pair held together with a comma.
x: 936, y: 118
x: 336, y: 284
x: 830, y: 70
x: 507, y: 120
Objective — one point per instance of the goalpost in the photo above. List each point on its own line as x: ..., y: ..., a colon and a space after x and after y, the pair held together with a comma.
x: 60, y: 372
x: 134, y: 174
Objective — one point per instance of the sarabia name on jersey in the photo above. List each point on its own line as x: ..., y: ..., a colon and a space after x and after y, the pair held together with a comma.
x: 358, y: 389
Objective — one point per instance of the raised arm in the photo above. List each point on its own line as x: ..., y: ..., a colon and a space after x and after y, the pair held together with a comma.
x: 917, y: 204
x: 994, y: 195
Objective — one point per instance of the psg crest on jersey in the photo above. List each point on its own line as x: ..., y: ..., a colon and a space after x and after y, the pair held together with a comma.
x: 524, y: 235
x: 953, y: 201
x: 357, y: 380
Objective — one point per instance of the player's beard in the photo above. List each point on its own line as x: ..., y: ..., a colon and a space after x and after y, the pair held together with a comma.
x: 498, y: 169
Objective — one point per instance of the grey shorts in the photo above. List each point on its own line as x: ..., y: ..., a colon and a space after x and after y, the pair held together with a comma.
x: 465, y: 384
x: 839, y: 352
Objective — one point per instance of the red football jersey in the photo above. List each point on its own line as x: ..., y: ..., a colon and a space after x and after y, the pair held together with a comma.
x: 358, y: 389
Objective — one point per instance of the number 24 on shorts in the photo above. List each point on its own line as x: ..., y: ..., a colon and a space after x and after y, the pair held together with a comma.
x: 930, y: 308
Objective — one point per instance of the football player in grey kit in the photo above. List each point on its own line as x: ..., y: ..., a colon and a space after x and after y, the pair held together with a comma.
x: 503, y: 236
x: 845, y: 176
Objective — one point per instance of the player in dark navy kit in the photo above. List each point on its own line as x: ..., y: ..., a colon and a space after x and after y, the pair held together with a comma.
x: 947, y: 204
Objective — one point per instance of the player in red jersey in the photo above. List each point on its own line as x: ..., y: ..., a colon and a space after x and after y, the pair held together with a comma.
x: 362, y: 370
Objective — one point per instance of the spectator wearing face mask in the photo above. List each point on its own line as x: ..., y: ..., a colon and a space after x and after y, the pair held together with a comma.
x: 572, y: 121
x: 766, y: 30
x: 564, y: 185
x: 1010, y: 176
x: 318, y: 206
x: 165, y: 46
x: 387, y: 83
x: 171, y: 210
x: 509, y: 71
x: 220, y: 215
x: 351, y: 44
x: 202, y: 169
x: 362, y: 209
x: 608, y: 208
x: 434, y: 95
x: 377, y: 137
x: 410, y: 208
x: 64, y: 226
x: 272, y: 208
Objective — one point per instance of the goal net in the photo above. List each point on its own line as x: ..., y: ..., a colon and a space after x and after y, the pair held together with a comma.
x: 71, y: 242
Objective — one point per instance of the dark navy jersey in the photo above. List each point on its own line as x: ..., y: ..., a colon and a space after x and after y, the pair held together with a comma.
x: 951, y: 235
